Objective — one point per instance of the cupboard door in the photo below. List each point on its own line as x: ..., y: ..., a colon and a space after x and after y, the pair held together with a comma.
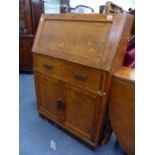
x: 49, y: 95
x: 81, y: 112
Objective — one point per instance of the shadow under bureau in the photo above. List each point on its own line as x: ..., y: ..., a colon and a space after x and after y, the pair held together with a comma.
x: 75, y: 56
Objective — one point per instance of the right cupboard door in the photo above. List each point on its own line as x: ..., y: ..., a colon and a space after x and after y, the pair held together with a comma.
x: 81, y: 112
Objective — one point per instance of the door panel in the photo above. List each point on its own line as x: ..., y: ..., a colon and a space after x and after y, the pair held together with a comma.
x: 49, y: 95
x: 81, y: 111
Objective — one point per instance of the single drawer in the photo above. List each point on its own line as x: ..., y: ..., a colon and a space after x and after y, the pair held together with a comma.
x: 83, y: 76
x: 48, y: 66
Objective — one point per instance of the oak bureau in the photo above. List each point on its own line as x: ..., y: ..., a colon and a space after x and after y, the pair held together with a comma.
x: 74, y: 58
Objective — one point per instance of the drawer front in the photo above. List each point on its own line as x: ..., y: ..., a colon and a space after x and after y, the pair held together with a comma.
x: 82, y: 76
x: 48, y: 66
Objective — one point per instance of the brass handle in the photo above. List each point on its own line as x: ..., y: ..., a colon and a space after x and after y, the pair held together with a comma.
x: 47, y: 66
x: 60, y: 104
x: 80, y: 77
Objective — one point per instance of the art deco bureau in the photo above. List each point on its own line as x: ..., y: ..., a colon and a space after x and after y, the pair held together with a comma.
x: 74, y: 58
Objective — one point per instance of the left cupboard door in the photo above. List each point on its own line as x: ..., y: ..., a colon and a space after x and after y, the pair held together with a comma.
x: 49, y: 97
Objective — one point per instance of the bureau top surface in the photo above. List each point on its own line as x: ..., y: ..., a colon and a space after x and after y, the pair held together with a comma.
x: 88, y: 39
x: 126, y: 74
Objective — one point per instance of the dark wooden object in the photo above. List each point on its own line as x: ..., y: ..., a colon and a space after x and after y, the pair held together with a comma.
x: 75, y: 57
x: 25, y: 55
x: 30, y: 11
x: 122, y: 108
x: 132, y: 12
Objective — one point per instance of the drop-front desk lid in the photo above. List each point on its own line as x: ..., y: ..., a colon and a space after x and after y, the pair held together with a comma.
x: 93, y: 40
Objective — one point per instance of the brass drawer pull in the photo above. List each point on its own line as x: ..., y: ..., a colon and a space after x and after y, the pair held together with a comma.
x: 80, y: 77
x: 47, y: 66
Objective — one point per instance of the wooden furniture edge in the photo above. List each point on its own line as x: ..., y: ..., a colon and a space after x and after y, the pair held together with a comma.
x: 126, y: 74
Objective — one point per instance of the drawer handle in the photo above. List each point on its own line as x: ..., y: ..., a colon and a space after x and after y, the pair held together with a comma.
x: 60, y: 104
x: 80, y: 77
x: 47, y: 66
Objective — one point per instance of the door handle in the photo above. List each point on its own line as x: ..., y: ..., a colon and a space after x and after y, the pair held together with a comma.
x: 47, y: 66
x: 80, y: 77
x: 60, y: 104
